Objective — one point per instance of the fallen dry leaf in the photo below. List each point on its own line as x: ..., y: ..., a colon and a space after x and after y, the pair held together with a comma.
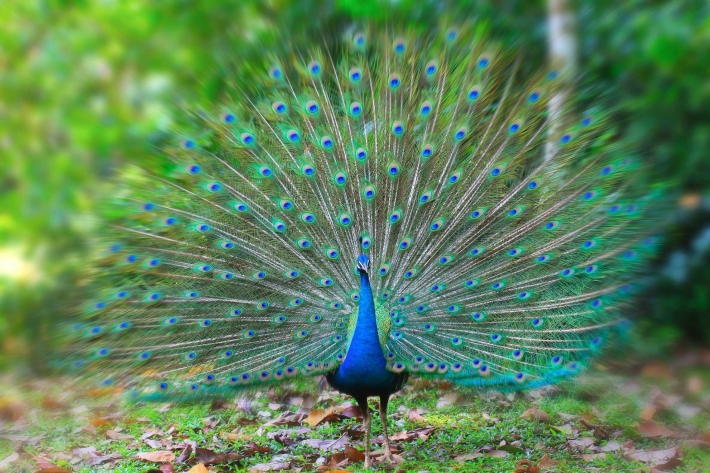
x: 11, y: 411
x: 467, y: 457
x: 351, y: 412
x: 563, y: 429
x: 185, y: 454
x: 497, y: 453
x: 694, y: 385
x: 657, y: 370
x: 535, y: 414
x: 447, y: 400
x: 160, y: 456
x: 112, y: 434
x: 651, y: 429
x: 581, y: 444
x: 210, y: 457
x: 199, y: 468
x: 526, y: 466
x: 99, y: 422
x: 547, y: 462
x: 403, y: 435
x: 253, y: 448
x: 43, y: 463
x: 271, y: 466
x: 611, y: 446
x: 353, y: 454
x: 51, y: 403
x: 663, y: 459
x: 327, y: 445
x: 590, y: 457
x: 337, y: 460
x: 414, y: 415
x: 648, y: 413
x: 318, y: 416
x: 696, y: 443
x: 408, y: 436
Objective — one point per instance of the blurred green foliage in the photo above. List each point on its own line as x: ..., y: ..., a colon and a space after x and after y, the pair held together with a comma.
x: 90, y: 87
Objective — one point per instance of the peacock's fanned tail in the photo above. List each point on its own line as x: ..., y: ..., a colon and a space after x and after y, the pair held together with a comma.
x: 426, y: 151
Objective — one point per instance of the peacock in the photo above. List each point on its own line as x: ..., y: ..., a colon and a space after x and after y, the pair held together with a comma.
x: 393, y: 203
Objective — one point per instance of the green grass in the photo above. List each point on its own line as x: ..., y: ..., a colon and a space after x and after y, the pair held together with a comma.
x: 462, y: 428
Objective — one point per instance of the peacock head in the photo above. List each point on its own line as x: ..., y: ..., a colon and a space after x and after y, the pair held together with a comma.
x: 363, y: 264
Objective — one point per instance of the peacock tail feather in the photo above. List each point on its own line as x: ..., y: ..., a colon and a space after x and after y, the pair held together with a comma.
x: 493, y: 265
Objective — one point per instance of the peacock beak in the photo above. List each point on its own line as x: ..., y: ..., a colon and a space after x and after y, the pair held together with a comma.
x: 363, y: 264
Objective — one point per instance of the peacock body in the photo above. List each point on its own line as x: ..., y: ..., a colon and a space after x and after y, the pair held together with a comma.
x: 379, y: 208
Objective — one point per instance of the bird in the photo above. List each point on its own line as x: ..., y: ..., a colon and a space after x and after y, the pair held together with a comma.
x: 392, y: 203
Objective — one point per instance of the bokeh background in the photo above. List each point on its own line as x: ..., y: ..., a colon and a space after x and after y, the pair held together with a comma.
x: 91, y: 88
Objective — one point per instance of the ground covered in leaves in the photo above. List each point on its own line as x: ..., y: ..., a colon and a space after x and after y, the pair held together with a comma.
x: 656, y: 418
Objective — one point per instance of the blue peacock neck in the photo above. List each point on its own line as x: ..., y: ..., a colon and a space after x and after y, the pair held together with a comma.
x: 363, y: 372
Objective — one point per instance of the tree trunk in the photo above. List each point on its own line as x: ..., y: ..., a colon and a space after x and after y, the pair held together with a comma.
x: 562, y: 55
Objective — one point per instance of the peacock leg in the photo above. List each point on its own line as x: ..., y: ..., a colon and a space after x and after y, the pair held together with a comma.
x: 383, y: 416
x: 366, y: 424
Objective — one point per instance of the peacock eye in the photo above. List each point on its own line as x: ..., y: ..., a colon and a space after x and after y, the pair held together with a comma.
x: 312, y: 107
x: 314, y: 67
x: 345, y: 219
x: 477, y: 251
x: 355, y: 108
x: 397, y: 128
x: 426, y: 197
x: 279, y: 107
x: 399, y: 46
x: 425, y: 108
x: 436, y: 224
x: 359, y: 39
x: 326, y: 142
x: 308, y: 217
x: 340, y: 178
x: 427, y: 151
x: 293, y: 135
x: 460, y: 133
x: 361, y: 154
x: 275, y: 72
x: 473, y: 93
x: 247, y: 138
x: 355, y: 74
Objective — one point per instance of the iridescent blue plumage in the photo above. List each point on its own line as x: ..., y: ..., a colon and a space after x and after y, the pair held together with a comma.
x: 364, y: 371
